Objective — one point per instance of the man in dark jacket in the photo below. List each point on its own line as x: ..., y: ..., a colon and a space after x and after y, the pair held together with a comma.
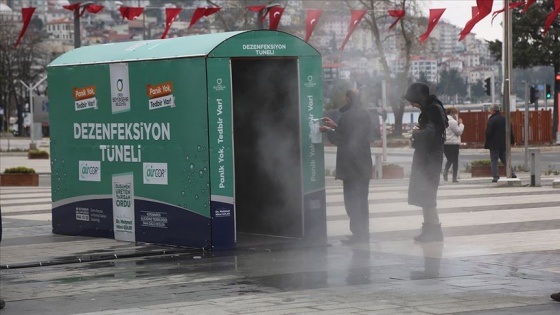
x: 496, y: 141
x: 427, y: 140
x: 353, y: 162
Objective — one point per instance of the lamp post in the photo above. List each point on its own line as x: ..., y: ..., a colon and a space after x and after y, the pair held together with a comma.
x: 77, y: 34
x: 165, y: 6
x: 30, y: 89
x: 507, y: 58
x: 526, y: 124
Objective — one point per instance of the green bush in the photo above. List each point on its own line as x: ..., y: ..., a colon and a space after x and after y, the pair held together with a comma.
x: 19, y: 170
x: 38, y: 154
x: 484, y: 163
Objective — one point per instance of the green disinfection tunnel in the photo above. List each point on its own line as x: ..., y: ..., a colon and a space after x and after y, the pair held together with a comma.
x: 205, y: 141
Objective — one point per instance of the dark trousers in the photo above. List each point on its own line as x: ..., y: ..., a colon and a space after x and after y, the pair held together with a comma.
x: 451, y: 152
x: 357, y: 206
x: 494, y: 156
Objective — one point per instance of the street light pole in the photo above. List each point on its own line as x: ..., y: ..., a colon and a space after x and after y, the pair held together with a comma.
x: 507, y: 82
x: 30, y: 89
x: 77, y: 33
x: 526, y: 124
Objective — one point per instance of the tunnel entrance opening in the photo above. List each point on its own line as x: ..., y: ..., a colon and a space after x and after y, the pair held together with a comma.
x: 268, y: 188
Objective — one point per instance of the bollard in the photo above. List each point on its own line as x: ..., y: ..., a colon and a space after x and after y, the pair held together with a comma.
x: 378, y: 165
x: 535, y: 157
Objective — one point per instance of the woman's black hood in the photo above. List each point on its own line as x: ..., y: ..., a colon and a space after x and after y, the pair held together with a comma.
x: 418, y: 93
x: 430, y: 106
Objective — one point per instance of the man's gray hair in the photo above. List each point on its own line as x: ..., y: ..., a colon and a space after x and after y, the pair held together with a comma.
x: 495, y: 107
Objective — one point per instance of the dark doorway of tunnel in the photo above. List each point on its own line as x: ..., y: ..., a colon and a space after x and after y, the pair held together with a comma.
x: 268, y: 188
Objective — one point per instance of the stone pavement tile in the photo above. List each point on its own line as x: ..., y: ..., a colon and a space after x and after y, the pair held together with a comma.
x: 162, y: 311
x: 459, y: 307
x: 428, y: 300
x: 371, y: 305
x: 244, y: 299
x: 194, y: 305
x: 330, y: 307
x: 189, y: 310
x: 257, y: 305
x: 275, y: 305
x: 136, y: 310
x: 277, y: 311
x: 340, y: 311
x: 394, y: 311
x: 37, y: 229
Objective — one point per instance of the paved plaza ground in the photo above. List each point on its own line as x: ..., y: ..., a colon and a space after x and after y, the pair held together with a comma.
x: 500, y: 256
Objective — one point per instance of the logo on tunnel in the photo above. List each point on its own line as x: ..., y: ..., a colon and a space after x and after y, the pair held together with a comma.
x: 310, y: 83
x: 120, y: 85
x: 219, y: 86
x: 89, y: 171
x: 155, y: 173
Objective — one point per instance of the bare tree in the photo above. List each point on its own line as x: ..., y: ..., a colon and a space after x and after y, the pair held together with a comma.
x: 27, y: 63
x: 403, y: 39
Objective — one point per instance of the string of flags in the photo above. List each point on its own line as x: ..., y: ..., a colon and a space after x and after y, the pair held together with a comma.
x: 274, y: 13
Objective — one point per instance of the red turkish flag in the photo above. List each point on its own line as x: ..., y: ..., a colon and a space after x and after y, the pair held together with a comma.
x: 94, y: 8
x: 528, y: 4
x: 200, y: 12
x: 552, y: 16
x: 91, y: 8
x: 210, y: 11
x: 72, y: 7
x: 274, y: 16
x: 474, y: 12
x: 130, y: 13
x: 512, y: 5
x: 396, y: 14
x: 484, y: 8
x: 435, y: 15
x: 357, y: 16
x: 311, y: 21
x: 26, y: 14
x: 259, y: 8
x: 256, y: 8
x: 170, y: 15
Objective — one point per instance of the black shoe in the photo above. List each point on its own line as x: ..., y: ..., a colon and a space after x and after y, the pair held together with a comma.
x: 455, y: 180
x: 2, y: 303
x: 555, y: 296
x: 430, y: 233
x: 495, y: 180
x: 513, y: 176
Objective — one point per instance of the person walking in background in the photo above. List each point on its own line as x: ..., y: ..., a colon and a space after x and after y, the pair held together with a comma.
x: 496, y: 141
x: 452, y: 141
x: 351, y: 135
x: 427, y: 140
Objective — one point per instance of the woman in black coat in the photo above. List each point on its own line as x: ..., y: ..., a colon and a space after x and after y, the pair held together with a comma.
x: 427, y: 140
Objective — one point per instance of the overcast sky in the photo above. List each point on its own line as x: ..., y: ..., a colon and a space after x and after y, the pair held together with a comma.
x: 458, y: 12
